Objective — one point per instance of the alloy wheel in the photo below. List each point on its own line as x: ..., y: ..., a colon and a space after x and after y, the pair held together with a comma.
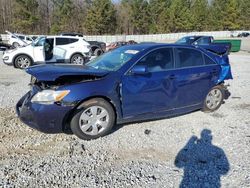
x: 78, y: 60
x: 23, y: 62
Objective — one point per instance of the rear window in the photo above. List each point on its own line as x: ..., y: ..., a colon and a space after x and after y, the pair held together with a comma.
x: 186, y: 57
x: 208, y: 60
x: 65, y: 41
x: 29, y: 39
x: 204, y: 41
x: 21, y: 37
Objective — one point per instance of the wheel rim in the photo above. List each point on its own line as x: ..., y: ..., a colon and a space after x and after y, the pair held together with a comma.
x: 94, y: 120
x: 98, y: 52
x: 23, y: 62
x: 78, y: 60
x: 213, y: 99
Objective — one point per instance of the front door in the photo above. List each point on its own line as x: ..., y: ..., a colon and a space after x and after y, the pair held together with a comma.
x: 153, y: 91
x: 39, y: 50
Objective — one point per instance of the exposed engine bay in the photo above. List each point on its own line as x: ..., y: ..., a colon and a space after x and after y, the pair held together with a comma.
x: 63, y: 80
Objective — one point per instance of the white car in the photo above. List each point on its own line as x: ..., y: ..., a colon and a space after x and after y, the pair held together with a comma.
x: 17, y: 40
x: 50, y: 49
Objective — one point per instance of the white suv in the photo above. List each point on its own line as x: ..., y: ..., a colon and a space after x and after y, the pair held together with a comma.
x: 50, y: 49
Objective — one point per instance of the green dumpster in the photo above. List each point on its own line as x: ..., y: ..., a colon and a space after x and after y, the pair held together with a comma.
x: 236, y: 44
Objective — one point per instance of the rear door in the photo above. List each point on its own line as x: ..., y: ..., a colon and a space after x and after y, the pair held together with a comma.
x: 59, y: 49
x: 64, y: 48
x: 195, y: 75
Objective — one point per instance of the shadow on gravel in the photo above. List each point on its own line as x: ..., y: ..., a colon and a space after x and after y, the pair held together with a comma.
x: 203, y: 163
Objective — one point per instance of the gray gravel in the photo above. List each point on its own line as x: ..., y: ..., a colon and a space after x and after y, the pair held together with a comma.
x: 163, y: 153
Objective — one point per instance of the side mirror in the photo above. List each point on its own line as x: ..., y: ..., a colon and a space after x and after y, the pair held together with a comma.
x: 195, y: 43
x: 139, y: 69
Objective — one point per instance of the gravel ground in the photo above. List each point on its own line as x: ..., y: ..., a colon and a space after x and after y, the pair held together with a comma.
x: 165, y: 153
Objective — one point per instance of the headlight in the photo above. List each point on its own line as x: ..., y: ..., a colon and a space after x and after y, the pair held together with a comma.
x: 6, y: 58
x: 49, y: 96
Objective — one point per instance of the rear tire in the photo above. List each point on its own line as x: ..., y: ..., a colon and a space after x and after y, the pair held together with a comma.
x: 94, y: 119
x: 22, y: 62
x: 214, y: 99
x: 77, y: 59
x: 98, y: 52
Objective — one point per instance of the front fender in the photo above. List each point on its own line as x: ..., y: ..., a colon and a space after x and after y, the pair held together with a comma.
x: 83, y: 91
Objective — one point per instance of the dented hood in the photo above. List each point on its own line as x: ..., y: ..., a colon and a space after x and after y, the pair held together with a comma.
x: 54, y: 71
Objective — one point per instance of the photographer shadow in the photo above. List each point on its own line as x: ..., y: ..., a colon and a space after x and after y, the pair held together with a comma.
x: 203, y: 163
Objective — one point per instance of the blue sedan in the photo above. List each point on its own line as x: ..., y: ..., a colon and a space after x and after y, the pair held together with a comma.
x: 131, y: 83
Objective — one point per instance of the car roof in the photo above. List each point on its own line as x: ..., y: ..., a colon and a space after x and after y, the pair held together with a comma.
x: 70, y: 33
x: 159, y: 45
x: 60, y: 36
x: 197, y: 36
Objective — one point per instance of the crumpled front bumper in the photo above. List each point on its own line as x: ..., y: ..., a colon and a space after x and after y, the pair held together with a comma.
x: 44, y: 118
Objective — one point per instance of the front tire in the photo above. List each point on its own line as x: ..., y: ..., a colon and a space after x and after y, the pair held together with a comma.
x: 77, y: 59
x: 94, y: 119
x: 22, y: 62
x: 214, y: 99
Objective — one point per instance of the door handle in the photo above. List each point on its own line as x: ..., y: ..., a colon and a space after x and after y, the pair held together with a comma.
x: 214, y: 71
x: 172, y: 77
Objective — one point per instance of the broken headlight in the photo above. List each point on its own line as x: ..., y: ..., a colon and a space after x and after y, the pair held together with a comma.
x: 49, y: 96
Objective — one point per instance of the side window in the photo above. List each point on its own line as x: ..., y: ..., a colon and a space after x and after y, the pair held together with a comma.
x: 21, y: 37
x: 208, y: 60
x: 204, y: 40
x: 40, y: 42
x: 158, y: 60
x: 28, y: 39
x: 62, y: 41
x: 186, y: 57
x: 73, y: 40
x: 65, y: 41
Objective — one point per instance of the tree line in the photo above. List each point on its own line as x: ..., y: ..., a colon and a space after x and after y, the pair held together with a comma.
x: 98, y: 17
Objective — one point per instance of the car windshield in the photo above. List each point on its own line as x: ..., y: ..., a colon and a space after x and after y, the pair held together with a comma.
x: 186, y: 40
x: 114, y: 60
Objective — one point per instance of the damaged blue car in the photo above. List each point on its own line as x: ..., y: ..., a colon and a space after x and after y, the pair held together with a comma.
x: 131, y: 83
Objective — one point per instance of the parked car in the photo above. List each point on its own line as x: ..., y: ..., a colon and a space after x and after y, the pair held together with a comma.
x: 17, y: 40
x: 4, y: 46
x: 97, y: 47
x: 118, y: 44
x: 50, y: 49
x: 244, y: 34
x: 206, y: 42
x: 130, y: 83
